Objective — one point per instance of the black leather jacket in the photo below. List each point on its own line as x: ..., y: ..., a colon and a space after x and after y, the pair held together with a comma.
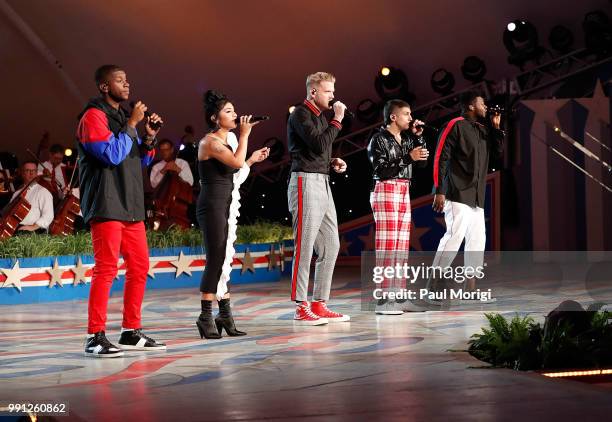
x: 389, y: 159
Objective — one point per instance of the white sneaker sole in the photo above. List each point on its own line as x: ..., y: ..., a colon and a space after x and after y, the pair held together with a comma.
x: 320, y: 321
x: 389, y: 312
x: 105, y: 356
x: 128, y: 347
x: 343, y: 318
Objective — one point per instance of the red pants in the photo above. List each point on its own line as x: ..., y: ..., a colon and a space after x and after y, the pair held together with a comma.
x: 109, y: 239
x: 390, y: 202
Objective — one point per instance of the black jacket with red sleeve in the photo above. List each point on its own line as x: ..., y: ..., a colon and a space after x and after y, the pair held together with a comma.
x: 462, y: 159
x: 310, y: 138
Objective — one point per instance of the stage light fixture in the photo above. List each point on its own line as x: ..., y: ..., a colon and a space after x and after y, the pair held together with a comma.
x: 393, y: 84
x: 442, y: 81
x: 68, y: 152
x: 522, y: 43
x: 368, y: 111
x: 561, y: 39
x: 385, y: 71
x: 473, y: 69
x: 597, y: 31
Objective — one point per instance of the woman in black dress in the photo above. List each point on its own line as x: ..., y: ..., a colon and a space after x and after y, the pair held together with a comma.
x: 222, y: 166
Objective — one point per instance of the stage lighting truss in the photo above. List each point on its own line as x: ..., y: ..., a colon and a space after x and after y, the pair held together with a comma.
x: 550, y: 73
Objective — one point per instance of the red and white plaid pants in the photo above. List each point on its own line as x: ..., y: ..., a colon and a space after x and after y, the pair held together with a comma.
x: 390, y: 202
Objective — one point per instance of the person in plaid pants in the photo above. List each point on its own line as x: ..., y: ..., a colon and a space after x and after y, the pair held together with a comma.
x: 392, y: 151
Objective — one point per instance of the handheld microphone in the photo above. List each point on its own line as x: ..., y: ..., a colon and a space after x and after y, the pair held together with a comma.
x: 347, y: 112
x: 424, y: 125
x: 154, y: 126
x: 255, y: 119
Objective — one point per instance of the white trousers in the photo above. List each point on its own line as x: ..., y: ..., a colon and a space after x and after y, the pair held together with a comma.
x: 462, y: 222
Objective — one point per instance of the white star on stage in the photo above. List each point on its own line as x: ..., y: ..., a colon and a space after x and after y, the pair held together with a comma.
x: 56, y: 275
x: 344, y: 246
x: 415, y: 236
x: 151, y: 272
x: 13, y: 277
x: 182, y: 265
x: 79, y: 272
x: 273, y: 258
x: 247, y: 263
x: 368, y: 239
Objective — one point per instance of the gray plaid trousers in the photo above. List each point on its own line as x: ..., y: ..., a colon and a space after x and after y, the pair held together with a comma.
x: 315, y: 227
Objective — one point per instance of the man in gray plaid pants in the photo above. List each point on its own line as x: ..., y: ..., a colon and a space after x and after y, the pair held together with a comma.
x: 315, y: 226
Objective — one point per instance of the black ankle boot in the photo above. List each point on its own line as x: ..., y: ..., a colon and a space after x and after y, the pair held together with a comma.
x: 205, y: 323
x: 226, y: 320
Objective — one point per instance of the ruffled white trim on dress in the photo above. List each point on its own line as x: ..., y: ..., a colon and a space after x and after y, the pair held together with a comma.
x: 232, y: 222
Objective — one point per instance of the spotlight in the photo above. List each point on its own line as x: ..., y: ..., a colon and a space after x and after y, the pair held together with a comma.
x: 521, y: 41
x: 277, y: 149
x: 442, y: 82
x: 561, y: 39
x: 392, y: 83
x: 473, y: 69
x: 68, y: 152
x: 597, y: 31
x: 368, y: 111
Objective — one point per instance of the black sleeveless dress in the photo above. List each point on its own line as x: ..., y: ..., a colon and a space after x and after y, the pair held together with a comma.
x: 212, y: 212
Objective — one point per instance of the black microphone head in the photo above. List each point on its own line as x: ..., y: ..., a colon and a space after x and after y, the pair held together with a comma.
x: 254, y: 119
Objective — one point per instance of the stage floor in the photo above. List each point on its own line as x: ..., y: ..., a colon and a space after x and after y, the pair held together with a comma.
x: 371, y: 368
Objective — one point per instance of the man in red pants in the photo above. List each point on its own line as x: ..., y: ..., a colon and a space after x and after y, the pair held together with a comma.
x: 112, y: 202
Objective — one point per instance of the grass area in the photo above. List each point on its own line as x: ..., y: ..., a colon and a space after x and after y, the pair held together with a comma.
x: 27, y: 246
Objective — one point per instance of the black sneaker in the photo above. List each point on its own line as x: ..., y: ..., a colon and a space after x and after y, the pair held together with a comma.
x: 98, y: 346
x: 136, y: 340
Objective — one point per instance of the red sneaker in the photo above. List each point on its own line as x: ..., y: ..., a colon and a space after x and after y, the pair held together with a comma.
x: 304, y: 316
x: 319, y: 308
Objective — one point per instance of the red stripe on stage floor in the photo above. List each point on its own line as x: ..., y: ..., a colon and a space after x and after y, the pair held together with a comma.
x: 135, y: 370
x: 296, y: 264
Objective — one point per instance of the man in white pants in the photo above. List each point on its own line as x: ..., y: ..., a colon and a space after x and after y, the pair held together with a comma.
x: 460, y: 169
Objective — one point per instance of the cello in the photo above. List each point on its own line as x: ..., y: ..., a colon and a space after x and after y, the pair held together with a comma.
x: 14, y: 213
x: 66, y: 212
x: 171, y: 202
x: 46, y: 181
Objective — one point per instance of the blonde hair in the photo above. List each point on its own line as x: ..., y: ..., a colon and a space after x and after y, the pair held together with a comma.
x: 315, y: 79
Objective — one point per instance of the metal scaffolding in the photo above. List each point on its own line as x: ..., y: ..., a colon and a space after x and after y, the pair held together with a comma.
x: 524, y: 84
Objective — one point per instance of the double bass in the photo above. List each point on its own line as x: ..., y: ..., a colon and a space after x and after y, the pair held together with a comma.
x: 172, y: 199
x: 66, y: 212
